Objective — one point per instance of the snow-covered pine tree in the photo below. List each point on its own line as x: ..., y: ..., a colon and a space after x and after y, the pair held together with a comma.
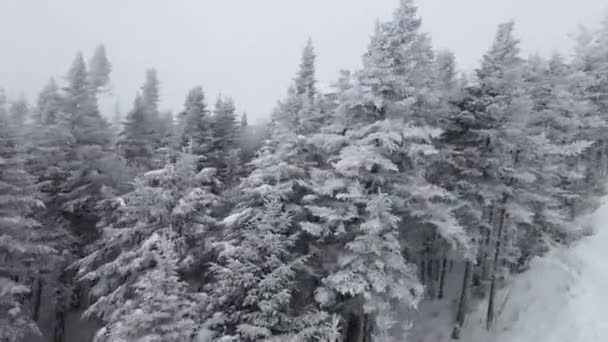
x: 525, y: 195
x: 591, y: 59
x: 46, y: 149
x: 99, y: 70
x: 269, y: 204
x: 19, y: 111
x: 195, y: 126
x: 277, y: 176
x: 167, y: 132
x: 72, y: 160
x: 330, y: 100
x: 225, y: 154
x: 481, y: 145
x: 302, y: 108
x: 137, y: 138
x: 373, y: 183
x: 157, y: 234
x: 150, y: 98
x: 243, y: 122
x: 280, y: 165
x: 88, y: 153
x: 24, y: 256
x: 445, y: 70
x: 117, y: 118
x: 249, y: 142
x: 255, y: 279
x: 48, y: 103
x: 434, y: 252
x: 305, y: 81
x: 150, y: 94
x: 160, y: 306
x: 563, y: 121
x: 500, y: 159
x: 446, y: 87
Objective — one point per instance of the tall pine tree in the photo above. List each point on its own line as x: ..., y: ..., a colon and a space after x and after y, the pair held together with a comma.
x: 24, y: 250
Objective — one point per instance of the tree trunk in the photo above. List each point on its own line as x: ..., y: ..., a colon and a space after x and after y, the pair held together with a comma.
x: 501, y: 223
x: 64, y: 298
x: 37, y: 300
x: 572, y: 207
x: 367, y: 329
x: 437, y: 270
x: 359, y: 328
x: 444, y: 267
x: 58, y: 331
x: 462, y: 305
x: 422, y: 271
x: 429, y: 276
x: 485, y: 269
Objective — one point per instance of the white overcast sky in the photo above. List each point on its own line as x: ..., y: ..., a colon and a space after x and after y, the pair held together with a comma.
x: 250, y: 49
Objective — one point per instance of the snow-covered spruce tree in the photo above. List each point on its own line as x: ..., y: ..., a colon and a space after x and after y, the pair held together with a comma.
x: 276, y: 180
x: 46, y: 149
x: 72, y: 160
x: 501, y: 161
x: 49, y: 137
x: 88, y: 153
x: 146, y: 133
x: 167, y: 131
x: 446, y: 71
x: 48, y: 103
x: 564, y: 123
x: 150, y: 97
x: 248, y: 142
x: 18, y: 112
x: 157, y: 235
x: 305, y: 81
x: 43, y: 145
x: 433, y: 253
x: 268, y: 204
x: 151, y: 94
x: 304, y: 105
x: 591, y: 59
x: 329, y: 101
x: 195, y: 126
x: 137, y: 138
x: 243, y: 122
x: 446, y: 87
x: 256, y: 280
x: 23, y: 253
x: 224, y: 146
x: 474, y: 153
x: 99, y: 70
x: 117, y: 118
x: 484, y: 147
x: 534, y: 161
x: 373, y: 192
x: 157, y: 306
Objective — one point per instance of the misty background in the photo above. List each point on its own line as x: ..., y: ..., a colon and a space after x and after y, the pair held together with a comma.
x: 249, y: 49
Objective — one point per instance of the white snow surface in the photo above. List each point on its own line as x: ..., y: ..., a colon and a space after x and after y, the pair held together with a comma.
x: 562, y: 298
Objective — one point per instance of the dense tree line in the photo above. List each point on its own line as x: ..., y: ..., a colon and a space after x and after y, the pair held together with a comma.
x: 350, y: 210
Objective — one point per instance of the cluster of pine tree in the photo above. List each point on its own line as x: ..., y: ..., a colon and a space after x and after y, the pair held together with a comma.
x: 352, y: 210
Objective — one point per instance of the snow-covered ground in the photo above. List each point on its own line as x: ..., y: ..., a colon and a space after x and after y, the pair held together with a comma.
x: 562, y: 298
